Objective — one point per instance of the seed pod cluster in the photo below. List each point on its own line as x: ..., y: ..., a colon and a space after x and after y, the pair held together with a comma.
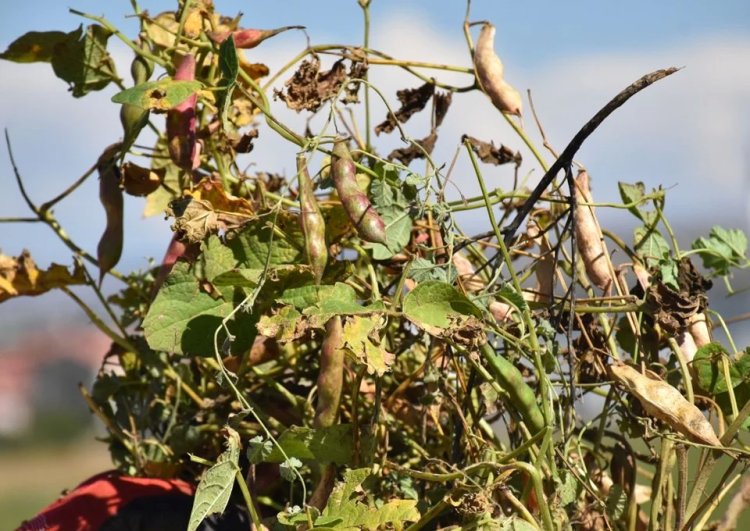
x: 490, y: 70
x: 589, y: 238
x: 313, y: 224
x: 181, y: 120
x: 109, y: 250
x: 664, y: 402
x: 331, y: 375
x: 362, y: 214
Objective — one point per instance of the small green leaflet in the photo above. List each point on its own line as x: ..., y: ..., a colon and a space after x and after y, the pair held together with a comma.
x: 708, y: 365
x: 159, y: 95
x: 722, y: 250
x: 397, y: 230
x: 214, y: 490
x: 230, y: 67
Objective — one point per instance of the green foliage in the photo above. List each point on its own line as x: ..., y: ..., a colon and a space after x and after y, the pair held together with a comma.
x: 367, y: 388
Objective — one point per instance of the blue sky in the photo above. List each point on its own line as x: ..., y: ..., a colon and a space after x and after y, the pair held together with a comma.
x: 689, y: 132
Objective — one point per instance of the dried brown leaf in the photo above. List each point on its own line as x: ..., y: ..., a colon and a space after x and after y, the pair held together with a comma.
x: 674, y: 310
x: 412, y: 101
x: 442, y: 102
x: 309, y: 88
x: 408, y: 154
x: 489, y: 154
x: 139, y: 181
x: 357, y: 70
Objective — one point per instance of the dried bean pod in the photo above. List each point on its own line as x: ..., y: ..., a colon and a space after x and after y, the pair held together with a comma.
x: 109, y: 250
x: 181, y: 121
x: 331, y: 375
x: 489, y: 71
x: 363, y: 215
x: 313, y: 224
x: 664, y: 402
x: 699, y: 329
x: 589, y: 236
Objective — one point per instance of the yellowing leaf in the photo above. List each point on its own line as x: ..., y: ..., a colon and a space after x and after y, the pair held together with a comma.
x: 34, y: 46
x: 159, y: 95
x: 361, y: 338
x: 20, y: 276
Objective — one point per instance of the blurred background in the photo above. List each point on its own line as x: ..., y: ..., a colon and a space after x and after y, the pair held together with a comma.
x: 689, y: 133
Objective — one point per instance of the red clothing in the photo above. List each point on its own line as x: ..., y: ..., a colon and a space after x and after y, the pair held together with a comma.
x: 97, y: 499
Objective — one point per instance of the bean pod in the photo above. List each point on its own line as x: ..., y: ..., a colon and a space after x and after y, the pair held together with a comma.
x: 109, y: 250
x: 589, y: 236
x: 249, y: 38
x: 521, y: 396
x: 313, y: 224
x: 331, y: 375
x: 489, y: 71
x: 181, y: 121
x: 362, y: 214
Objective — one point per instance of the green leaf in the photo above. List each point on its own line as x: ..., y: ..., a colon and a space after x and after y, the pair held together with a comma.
x: 230, y: 67
x: 632, y: 193
x: 183, y: 317
x: 158, y: 201
x: 422, y: 270
x: 708, y: 365
x: 288, y: 469
x: 159, y: 95
x: 215, y: 488
x: 437, y: 307
x: 34, y: 47
x: 345, y: 511
x: 312, y: 295
x: 512, y: 297
x: 251, y: 244
x: 228, y: 61
x: 83, y: 61
x: 215, y: 259
x: 333, y: 444
x: 258, y: 449
x: 397, y: 231
x: 617, y: 502
x: 650, y: 245
x: 722, y: 250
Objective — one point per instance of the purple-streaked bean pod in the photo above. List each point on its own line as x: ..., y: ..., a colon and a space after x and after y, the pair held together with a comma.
x: 181, y: 120
x: 331, y: 375
x: 313, y: 224
x: 363, y: 215
x: 109, y: 250
x: 248, y: 38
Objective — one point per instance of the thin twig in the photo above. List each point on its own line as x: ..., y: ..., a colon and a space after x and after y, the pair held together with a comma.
x: 566, y: 158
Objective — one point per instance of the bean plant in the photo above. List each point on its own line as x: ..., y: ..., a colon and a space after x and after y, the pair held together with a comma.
x: 329, y: 349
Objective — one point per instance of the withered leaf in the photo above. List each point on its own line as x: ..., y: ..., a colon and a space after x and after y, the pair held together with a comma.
x: 245, y: 143
x: 139, y: 181
x: 309, y: 88
x: 442, y: 102
x: 412, y: 101
x: 672, y: 309
x: 664, y: 402
x: 408, y: 154
x: 208, y: 210
x: 489, y: 154
x: 20, y: 276
x: 357, y: 70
